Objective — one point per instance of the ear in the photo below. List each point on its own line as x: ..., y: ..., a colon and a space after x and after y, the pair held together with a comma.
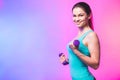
x: 90, y: 16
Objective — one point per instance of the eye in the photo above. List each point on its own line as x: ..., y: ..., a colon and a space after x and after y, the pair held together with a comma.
x: 74, y: 15
x: 81, y: 15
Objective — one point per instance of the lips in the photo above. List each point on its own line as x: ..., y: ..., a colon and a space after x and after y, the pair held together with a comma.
x: 78, y: 23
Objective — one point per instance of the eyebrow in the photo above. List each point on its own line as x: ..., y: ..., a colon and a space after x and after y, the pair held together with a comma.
x: 79, y: 14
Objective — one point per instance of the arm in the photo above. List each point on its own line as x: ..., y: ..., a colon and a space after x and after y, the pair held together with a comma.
x: 94, y: 48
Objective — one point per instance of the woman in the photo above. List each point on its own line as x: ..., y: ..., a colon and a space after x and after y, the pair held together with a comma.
x: 88, y: 51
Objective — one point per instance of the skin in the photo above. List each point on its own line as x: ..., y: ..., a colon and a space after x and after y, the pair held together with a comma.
x: 81, y: 18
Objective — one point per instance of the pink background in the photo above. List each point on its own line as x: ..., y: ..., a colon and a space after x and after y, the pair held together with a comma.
x: 34, y: 32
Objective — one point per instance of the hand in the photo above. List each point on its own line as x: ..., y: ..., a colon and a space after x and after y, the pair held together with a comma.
x: 72, y: 47
x: 62, y: 58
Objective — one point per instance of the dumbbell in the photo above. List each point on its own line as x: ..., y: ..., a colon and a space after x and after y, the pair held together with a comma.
x: 65, y: 62
x: 76, y: 43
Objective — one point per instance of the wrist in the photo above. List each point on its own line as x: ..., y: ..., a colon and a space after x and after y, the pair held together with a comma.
x: 75, y: 50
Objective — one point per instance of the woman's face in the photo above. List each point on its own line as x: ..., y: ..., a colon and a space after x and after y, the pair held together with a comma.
x: 80, y: 17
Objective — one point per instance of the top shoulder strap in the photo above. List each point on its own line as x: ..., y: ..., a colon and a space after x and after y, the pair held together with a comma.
x: 85, y: 34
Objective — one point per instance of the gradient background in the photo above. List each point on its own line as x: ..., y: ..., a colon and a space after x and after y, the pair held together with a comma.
x: 33, y: 32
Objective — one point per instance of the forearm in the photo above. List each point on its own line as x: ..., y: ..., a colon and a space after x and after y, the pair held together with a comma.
x: 86, y: 59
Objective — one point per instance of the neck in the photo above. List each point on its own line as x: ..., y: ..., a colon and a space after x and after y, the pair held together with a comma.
x: 81, y: 29
x: 84, y: 28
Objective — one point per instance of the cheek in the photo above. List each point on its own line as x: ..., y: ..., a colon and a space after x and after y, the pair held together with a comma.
x: 83, y: 18
x: 74, y: 19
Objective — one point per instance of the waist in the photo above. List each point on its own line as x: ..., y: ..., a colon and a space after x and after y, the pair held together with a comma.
x: 80, y: 72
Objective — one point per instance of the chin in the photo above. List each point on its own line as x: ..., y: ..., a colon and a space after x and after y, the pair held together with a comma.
x: 79, y: 26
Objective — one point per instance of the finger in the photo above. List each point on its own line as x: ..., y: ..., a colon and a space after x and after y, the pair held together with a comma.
x: 62, y: 55
x: 71, y: 46
x: 62, y: 60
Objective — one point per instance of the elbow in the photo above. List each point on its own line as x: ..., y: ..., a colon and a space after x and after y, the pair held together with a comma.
x: 96, y: 66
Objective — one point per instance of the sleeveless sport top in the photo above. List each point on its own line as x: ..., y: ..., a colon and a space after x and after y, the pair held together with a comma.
x: 78, y: 69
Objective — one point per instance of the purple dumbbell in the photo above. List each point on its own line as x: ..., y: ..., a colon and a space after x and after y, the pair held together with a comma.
x: 65, y: 62
x: 60, y: 54
x: 76, y: 43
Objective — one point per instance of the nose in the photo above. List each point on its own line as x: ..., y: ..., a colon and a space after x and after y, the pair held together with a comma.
x: 77, y: 19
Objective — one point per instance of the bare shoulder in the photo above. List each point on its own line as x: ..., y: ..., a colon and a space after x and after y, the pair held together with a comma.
x: 92, y: 36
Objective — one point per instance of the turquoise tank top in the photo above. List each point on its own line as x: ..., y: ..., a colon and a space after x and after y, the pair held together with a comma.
x: 78, y: 69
